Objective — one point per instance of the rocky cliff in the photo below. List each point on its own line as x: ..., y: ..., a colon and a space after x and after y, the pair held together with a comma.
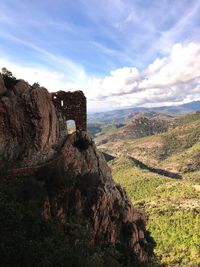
x: 75, y: 179
x: 30, y: 129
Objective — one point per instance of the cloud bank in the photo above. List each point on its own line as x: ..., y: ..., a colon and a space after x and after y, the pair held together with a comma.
x: 169, y: 80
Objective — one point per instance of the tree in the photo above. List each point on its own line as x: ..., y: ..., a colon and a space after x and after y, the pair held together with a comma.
x: 7, y: 73
x: 36, y: 85
x: 8, y: 78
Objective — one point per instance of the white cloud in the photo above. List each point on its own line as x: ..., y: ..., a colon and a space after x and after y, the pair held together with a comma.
x: 181, y: 66
x: 175, y: 78
x: 120, y: 81
x: 155, y: 66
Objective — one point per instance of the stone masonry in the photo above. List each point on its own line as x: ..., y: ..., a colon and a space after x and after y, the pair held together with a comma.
x: 73, y: 107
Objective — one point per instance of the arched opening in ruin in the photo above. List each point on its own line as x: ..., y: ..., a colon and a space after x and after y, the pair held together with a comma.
x: 71, y: 126
x: 72, y: 105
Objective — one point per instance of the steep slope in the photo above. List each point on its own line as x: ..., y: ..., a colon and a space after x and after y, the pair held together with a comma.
x: 188, y: 160
x: 173, y: 207
x: 54, y: 181
x: 171, y: 204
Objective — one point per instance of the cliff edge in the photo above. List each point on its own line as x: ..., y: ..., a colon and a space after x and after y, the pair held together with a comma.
x: 74, y: 181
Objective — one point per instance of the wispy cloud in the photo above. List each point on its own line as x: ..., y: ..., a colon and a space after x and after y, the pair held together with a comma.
x: 119, y: 51
x: 184, y: 26
x: 74, y: 72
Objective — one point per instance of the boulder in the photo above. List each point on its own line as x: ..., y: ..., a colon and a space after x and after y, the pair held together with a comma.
x: 21, y: 87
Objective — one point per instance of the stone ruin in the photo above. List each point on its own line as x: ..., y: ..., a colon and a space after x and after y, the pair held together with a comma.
x: 72, y: 105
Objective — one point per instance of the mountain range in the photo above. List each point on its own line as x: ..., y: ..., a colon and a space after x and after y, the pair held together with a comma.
x: 123, y: 115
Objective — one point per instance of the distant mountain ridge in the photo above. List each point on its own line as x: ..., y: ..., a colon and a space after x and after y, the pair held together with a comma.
x: 195, y: 105
x: 121, y: 115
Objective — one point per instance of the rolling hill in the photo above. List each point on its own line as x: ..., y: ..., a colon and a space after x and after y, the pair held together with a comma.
x: 123, y: 115
x: 160, y: 141
x: 171, y: 202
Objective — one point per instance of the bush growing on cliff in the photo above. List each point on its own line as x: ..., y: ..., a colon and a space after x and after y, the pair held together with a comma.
x: 8, y: 78
x: 82, y: 143
x: 36, y: 85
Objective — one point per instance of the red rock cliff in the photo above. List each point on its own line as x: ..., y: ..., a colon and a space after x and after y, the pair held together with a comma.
x: 77, y: 181
x: 30, y: 129
x: 94, y: 195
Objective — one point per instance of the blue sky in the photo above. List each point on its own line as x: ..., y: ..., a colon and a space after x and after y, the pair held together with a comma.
x: 121, y: 53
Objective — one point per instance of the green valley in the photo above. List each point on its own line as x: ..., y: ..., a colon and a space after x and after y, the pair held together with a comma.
x: 172, y: 204
x: 173, y: 208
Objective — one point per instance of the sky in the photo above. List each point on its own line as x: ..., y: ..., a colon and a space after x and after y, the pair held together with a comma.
x: 120, y: 53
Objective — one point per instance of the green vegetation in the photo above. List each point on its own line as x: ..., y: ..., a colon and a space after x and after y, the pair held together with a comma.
x: 94, y: 128
x: 139, y: 183
x: 103, y: 129
x: 173, y: 207
x: 8, y: 78
x: 186, y: 161
x: 183, y: 135
x: 139, y: 127
x: 188, y: 118
x: 180, y: 139
x: 28, y: 240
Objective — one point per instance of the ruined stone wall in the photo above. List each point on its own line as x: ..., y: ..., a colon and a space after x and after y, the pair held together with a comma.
x: 73, y: 106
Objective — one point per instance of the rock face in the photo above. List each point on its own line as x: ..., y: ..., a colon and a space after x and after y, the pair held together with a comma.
x: 30, y: 129
x: 77, y: 180
x: 91, y: 193
x: 2, y: 86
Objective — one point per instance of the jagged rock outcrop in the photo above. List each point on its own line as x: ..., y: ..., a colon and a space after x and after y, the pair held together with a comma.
x: 91, y: 193
x: 30, y: 129
x: 76, y: 179
x: 112, y: 215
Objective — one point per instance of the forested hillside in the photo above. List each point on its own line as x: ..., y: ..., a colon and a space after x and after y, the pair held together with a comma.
x: 141, y: 165
x: 173, y: 207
